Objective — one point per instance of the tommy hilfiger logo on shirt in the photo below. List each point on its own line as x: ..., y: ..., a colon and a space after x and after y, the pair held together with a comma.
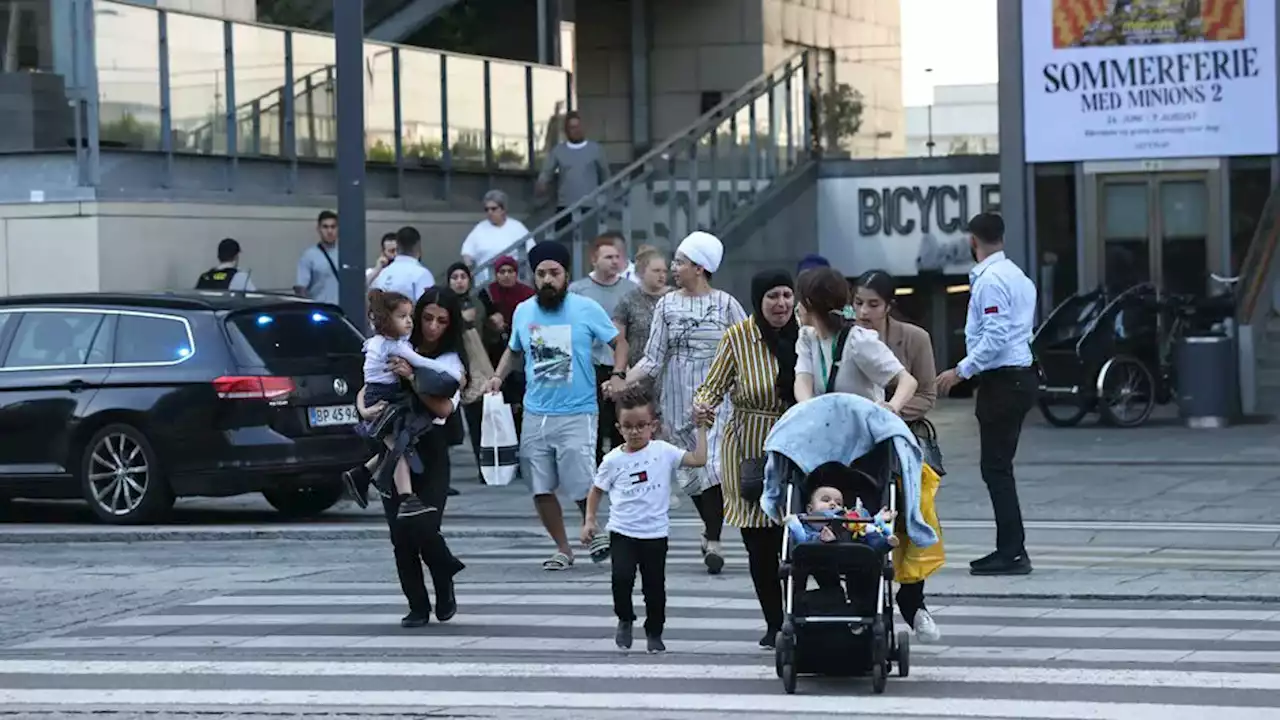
x: 640, y: 477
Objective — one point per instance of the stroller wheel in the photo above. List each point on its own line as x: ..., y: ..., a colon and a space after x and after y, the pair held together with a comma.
x: 904, y: 654
x: 785, y: 659
x: 878, y: 679
x: 789, y: 678
x: 879, y: 657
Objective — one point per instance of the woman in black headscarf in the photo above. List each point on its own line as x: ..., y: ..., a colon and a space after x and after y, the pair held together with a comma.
x: 755, y: 366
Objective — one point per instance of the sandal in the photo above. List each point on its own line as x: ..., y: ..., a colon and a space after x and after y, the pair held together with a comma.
x: 557, y: 562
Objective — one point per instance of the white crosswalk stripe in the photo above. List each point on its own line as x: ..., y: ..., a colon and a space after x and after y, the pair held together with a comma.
x: 547, y: 646
x: 685, y: 555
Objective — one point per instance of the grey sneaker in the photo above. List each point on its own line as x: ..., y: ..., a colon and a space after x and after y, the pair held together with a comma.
x: 623, y: 635
x: 656, y: 645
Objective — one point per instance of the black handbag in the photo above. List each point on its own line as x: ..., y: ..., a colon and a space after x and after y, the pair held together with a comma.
x: 927, y: 435
x: 751, y: 479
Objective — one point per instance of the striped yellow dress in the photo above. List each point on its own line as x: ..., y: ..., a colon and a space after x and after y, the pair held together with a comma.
x: 747, y: 372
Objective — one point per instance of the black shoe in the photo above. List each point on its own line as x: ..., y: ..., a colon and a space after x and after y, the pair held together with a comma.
x: 356, y: 481
x: 623, y: 635
x: 1018, y: 565
x: 415, y: 619
x: 451, y: 492
x: 770, y: 640
x: 986, y: 560
x: 446, y: 601
x: 411, y: 506
x: 655, y: 645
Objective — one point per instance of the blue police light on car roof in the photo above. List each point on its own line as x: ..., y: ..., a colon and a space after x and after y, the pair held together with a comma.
x: 265, y: 320
x: 318, y: 317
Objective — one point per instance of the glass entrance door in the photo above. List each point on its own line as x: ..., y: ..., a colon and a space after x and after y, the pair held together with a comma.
x: 1157, y: 228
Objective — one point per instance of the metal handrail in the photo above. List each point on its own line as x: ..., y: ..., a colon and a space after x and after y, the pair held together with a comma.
x: 1255, y: 269
x: 708, y: 121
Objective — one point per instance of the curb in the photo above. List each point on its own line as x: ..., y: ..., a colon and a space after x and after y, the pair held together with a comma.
x: 1112, y: 597
x: 377, y: 532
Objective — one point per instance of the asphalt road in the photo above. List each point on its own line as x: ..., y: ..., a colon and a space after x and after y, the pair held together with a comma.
x: 285, y: 628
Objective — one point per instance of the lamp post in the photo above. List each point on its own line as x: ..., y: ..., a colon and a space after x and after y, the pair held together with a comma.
x: 930, y: 143
x: 348, y: 34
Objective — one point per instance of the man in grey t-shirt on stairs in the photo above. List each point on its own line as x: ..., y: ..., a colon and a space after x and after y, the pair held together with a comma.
x: 579, y: 166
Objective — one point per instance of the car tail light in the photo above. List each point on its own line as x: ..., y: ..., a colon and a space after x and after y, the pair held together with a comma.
x: 253, y: 387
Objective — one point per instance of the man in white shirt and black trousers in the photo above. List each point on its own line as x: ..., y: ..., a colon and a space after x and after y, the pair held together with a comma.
x: 997, y: 334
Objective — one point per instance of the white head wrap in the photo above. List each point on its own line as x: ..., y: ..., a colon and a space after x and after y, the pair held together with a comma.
x: 703, y: 249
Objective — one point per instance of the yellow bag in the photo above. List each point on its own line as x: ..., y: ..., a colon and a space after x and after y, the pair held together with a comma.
x: 911, y: 563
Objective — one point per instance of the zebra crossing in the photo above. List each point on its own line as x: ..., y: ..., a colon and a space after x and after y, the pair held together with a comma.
x: 545, y: 646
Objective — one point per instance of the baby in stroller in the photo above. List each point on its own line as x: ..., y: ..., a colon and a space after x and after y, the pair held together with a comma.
x: 827, y: 520
x: 847, y: 444
x: 397, y: 428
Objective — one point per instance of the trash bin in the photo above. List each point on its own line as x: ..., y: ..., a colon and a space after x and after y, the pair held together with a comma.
x: 1208, y: 384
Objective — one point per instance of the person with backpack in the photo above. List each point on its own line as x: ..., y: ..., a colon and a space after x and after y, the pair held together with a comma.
x: 226, y: 275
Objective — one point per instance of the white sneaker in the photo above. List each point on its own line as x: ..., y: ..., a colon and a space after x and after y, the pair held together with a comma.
x: 926, y: 629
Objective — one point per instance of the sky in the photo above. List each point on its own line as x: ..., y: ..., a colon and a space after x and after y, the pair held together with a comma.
x: 956, y: 38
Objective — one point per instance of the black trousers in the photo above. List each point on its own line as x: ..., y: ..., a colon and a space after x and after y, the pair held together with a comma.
x: 474, y: 414
x: 1005, y: 396
x: 607, y: 434
x: 649, y: 556
x: 710, y: 505
x: 417, y: 541
x: 764, y: 548
x: 911, y: 601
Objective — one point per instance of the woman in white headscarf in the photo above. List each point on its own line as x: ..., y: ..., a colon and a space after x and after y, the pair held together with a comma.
x: 687, y: 326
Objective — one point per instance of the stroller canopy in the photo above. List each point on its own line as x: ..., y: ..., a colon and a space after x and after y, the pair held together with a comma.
x: 840, y: 427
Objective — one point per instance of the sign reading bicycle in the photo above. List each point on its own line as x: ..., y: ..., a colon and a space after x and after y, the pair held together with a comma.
x: 1133, y: 79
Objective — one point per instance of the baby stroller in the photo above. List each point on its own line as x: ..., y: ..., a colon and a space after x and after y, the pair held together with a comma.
x: 846, y: 626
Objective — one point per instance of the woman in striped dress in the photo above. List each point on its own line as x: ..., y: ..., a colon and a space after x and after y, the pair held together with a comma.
x: 687, y: 327
x: 755, y: 367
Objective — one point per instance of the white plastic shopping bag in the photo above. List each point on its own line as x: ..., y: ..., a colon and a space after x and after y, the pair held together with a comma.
x: 499, y: 449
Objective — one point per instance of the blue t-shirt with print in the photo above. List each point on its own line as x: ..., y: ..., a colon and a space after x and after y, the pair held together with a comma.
x: 559, y: 375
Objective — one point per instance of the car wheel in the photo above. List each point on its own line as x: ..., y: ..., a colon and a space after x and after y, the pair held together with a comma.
x: 121, y: 477
x: 305, y: 502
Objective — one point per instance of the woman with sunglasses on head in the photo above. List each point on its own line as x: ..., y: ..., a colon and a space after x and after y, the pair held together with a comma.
x: 496, y: 234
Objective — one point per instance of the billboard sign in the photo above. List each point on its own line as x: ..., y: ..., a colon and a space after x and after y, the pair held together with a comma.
x: 1142, y: 79
x: 904, y: 225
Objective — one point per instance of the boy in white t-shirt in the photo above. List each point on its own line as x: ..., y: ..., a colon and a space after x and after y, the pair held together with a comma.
x: 637, y: 475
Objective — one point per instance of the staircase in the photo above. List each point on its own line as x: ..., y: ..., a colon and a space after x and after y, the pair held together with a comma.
x: 1257, y: 312
x: 706, y: 177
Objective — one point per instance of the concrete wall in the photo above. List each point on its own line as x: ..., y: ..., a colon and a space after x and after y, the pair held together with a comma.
x: 152, y: 246
x: 603, y: 59
x: 865, y: 38
x: 721, y: 45
x: 243, y: 10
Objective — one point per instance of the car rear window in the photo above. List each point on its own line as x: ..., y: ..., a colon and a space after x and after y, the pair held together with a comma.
x: 271, y: 338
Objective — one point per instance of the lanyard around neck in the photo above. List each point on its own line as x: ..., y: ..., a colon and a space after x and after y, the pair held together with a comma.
x: 822, y: 360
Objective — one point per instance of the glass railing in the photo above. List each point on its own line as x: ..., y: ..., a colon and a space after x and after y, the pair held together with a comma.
x: 185, y: 83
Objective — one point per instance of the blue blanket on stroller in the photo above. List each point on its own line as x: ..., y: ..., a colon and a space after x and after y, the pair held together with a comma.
x: 839, y: 427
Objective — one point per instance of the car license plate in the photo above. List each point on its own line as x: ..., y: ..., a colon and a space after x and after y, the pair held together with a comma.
x: 331, y: 415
